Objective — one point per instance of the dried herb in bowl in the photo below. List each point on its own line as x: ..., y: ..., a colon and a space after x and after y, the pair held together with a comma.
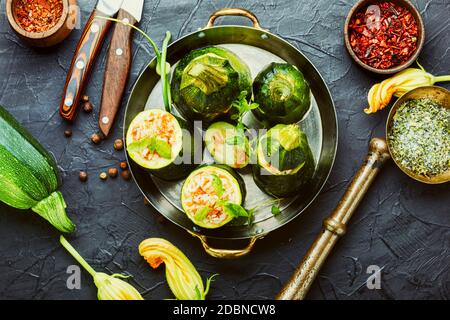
x: 420, y: 137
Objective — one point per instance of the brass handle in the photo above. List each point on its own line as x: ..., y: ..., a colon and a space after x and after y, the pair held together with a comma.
x: 226, y: 253
x: 233, y: 12
x: 334, y: 226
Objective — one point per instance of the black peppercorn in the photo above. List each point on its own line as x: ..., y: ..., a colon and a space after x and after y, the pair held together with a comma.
x: 118, y: 144
x: 87, y: 107
x: 83, y: 176
x: 123, y: 165
x: 126, y: 175
x: 96, y: 138
x: 112, y: 172
x: 68, y: 133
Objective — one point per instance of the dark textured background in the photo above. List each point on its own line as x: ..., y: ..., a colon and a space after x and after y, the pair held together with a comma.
x: 402, y: 225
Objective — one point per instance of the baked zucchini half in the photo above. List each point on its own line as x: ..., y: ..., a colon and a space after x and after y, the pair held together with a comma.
x: 284, y: 159
x: 206, y: 81
x: 155, y: 141
x: 282, y: 93
x: 226, y: 145
x: 204, y: 192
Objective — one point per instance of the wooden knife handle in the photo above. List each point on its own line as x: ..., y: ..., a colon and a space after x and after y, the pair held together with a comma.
x: 83, y: 59
x: 117, y: 70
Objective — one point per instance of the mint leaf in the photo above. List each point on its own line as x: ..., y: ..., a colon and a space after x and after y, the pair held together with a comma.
x: 217, y: 185
x: 251, y: 216
x: 275, y: 210
x: 235, y: 210
x: 236, y: 140
x: 140, y: 145
x: 201, y: 213
x: 163, y: 148
x: 242, y: 106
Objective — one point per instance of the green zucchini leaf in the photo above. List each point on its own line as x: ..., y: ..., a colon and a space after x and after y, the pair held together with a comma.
x: 218, y: 185
x: 201, y: 213
x: 275, y: 210
x: 235, y: 210
x: 163, y: 148
x: 140, y: 145
x: 153, y: 144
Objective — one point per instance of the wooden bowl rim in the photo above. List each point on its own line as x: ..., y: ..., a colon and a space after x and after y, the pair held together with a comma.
x: 405, y: 3
x: 36, y: 35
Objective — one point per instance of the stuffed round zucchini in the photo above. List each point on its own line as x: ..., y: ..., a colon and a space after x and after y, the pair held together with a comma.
x: 156, y: 141
x: 206, y: 82
x: 282, y: 93
x: 226, y: 145
x: 205, y: 193
x: 284, y: 161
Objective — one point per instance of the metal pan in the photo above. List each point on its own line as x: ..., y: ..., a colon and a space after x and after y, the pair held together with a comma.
x: 257, y: 47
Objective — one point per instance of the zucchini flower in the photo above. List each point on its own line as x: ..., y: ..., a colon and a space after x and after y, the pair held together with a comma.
x: 109, y: 286
x: 381, y: 93
x: 182, y: 277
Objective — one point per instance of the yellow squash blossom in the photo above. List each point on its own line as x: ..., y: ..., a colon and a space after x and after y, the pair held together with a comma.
x: 109, y: 286
x: 381, y: 93
x: 182, y: 277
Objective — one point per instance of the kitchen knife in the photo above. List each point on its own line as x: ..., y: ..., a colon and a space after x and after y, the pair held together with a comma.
x: 118, y: 64
x: 85, y: 54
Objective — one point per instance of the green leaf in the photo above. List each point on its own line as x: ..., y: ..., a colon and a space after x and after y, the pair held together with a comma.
x: 235, y: 210
x: 140, y: 145
x: 218, y: 185
x: 163, y: 148
x: 198, y: 294
x: 251, y: 215
x: 201, y: 213
x: 241, y: 104
x: 275, y: 210
x: 236, y: 140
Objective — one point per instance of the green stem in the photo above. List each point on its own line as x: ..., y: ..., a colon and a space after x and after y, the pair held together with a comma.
x: 164, y: 74
x: 77, y: 256
x: 267, y: 203
x: 441, y: 78
x: 155, y: 48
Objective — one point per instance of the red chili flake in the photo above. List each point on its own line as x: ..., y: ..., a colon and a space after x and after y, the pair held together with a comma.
x: 38, y: 15
x: 384, y: 35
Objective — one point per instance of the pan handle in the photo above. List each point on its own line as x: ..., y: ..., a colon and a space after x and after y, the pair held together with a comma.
x: 334, y: 226
x: 226, y: 253
x: 233, y: 12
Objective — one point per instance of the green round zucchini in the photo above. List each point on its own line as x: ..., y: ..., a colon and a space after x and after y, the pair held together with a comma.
x: 226, y: 146
x: 206, y: 82
x: 158, y: 141
x: 285, y: 162
x: 204, y: 188
x: 282, y: 93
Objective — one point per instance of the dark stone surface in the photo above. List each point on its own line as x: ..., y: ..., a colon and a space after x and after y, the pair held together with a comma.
x: 402, y: 226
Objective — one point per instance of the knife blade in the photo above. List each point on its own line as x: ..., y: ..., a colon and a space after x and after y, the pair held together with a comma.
x: 118, y: 64
x: 85, y: 53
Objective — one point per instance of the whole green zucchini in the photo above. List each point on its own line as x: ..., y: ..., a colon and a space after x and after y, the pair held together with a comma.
x: 29, y: 175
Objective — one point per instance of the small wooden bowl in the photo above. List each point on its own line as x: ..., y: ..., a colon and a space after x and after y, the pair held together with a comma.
x: 48, y: 38
x: 361, y: 5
